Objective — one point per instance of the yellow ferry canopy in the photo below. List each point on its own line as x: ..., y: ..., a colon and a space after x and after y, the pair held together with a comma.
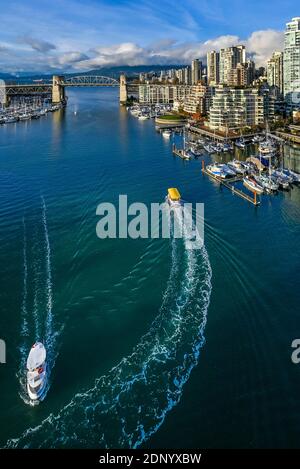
x: 174, y: 193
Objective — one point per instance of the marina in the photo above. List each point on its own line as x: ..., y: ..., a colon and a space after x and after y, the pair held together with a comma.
x: 73, y: 185
x: 229, y: 185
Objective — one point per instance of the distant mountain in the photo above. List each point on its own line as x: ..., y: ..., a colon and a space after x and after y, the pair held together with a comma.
x: 113, y: 72
x: 6, y: 76
x: 130, y: 71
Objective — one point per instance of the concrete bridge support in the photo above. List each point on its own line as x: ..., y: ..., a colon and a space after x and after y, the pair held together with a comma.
x: 58, y: 90
x: 123, y: 90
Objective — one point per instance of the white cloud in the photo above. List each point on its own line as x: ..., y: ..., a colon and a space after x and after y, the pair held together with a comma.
x: 261, y: 44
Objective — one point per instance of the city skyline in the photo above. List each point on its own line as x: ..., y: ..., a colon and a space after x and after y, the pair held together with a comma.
x: 105, y: 33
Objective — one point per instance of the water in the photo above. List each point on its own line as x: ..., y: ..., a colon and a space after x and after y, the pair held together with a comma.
x: 149, y: 344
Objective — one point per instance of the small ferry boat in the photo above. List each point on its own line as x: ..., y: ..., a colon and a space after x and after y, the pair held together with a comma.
x: 37, y: 372
x: 174, y: 198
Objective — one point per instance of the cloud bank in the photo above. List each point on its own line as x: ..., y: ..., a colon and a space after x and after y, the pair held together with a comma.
x: 37, y: 55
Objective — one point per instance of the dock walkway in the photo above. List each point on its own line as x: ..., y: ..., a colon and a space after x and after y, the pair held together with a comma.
x: 229, y: 184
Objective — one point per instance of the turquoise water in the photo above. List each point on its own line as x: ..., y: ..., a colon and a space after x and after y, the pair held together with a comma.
x: 149, y: 344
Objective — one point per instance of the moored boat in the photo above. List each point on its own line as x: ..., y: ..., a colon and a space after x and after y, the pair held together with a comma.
x: 252, y: 185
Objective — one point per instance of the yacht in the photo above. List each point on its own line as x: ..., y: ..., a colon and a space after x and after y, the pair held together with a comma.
x: 37, y: 372
x: 253, y: 185
x: 240, y: 143
x: 257, y: 139
x: 195, y: 149
x: 166, y: 133
x: 291, y: 174
x: 220, y: 170
x: 227, y: 147
x: 209, y: 148
x: 269, y: 184
x: 281, y: 181
x: 174, y: 198
x: 237, y: 166
x: 11, y: 119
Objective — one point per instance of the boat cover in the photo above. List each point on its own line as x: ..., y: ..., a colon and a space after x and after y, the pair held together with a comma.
x: 36, y: 357
x: 174, y: 193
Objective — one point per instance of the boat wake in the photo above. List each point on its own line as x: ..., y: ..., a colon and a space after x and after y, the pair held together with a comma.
x: 37, y: 297
x: 128, y: 405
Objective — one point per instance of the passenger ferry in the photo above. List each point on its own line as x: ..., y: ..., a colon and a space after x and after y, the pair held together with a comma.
x: 174, y: 198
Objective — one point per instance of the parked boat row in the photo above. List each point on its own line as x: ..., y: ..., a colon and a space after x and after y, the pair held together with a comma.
x: 10, y: 116
x: 149, y: 112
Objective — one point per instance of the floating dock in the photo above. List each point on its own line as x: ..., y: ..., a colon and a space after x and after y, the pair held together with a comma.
x: 229, y: 184
x: 179, y: 152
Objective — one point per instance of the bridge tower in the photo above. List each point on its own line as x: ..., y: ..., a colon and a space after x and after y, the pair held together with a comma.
x: 123, y: 90
x: 58, y: 90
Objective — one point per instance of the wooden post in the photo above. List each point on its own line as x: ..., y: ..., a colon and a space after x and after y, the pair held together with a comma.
x: 203, y: 165
x: 254, y: 198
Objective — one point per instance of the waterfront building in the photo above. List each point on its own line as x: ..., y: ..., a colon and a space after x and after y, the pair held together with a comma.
x: 234, y: 108
x: 196, y: 71
x: 213, y: 65
x: 275, y: 73
x: 164, y: 94
x: 229, y: 59
x: 198, y: 101
x: 291, y: 64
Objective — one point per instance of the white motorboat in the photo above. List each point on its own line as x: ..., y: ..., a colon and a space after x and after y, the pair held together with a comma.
x: 269, y: 184
x: 253, y: 185
x: 166, y: 133
x: 237, y: 166
x: 295, y: 177
x: 220, y: 170
x: 240, y: 143
x: 37, y: 372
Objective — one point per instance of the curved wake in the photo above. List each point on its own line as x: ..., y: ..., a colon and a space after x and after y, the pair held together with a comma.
x: 126, y: 406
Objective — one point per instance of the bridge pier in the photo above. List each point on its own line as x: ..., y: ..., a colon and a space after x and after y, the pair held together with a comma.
x: 58, y: 90
x: 123, y: 90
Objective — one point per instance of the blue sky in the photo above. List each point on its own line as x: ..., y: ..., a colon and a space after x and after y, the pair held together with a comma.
x: 80, y: 35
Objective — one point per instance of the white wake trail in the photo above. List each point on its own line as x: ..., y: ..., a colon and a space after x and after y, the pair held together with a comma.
x: 49, y: 343
x: 126, y: 406
x: 24, y: 313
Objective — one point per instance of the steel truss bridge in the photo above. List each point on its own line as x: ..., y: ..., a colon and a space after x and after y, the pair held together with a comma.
x: 57, y: 87
x: 90, y: 80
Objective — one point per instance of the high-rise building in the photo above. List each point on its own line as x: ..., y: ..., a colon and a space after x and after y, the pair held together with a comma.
x: 234, y: 108
x: 196, y: 71
x: 275, y: 73
x: 229, y: 58
x: 213, y: 59
x: 291, y: 64
x: 187, y: 78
